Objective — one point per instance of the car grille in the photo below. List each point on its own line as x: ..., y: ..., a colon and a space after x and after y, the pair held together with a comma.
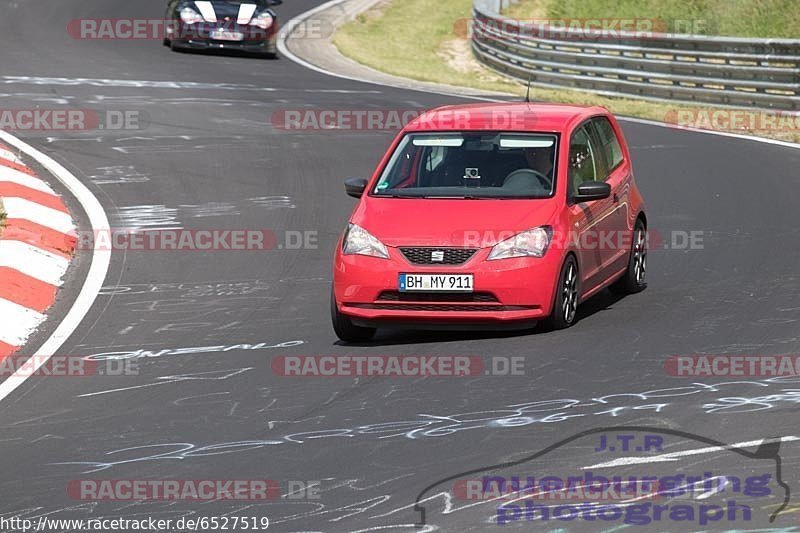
x: 474, y: 297
x: 451, y: 256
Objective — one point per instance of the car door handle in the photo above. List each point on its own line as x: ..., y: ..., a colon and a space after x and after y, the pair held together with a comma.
x: 616, y: 198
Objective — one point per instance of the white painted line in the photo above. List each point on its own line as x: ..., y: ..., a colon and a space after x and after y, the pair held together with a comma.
x: 100, y: 260
x: 41, y: 214
x: 18, y: 322
x: 33, y: 261
x: 15, y: 176
x: 297, y: 22
x: 674, y: 456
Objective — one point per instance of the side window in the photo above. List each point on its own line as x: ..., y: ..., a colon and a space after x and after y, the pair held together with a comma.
x: 582, y: 160
x: 609, y: 143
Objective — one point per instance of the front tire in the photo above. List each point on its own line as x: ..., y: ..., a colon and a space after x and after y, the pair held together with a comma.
x: 344, y: 327
x: 635, y: 278
x: 565, y: 306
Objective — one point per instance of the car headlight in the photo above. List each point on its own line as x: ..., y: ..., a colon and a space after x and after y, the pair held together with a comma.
x: 263, y: 21
x: 190, y: 16
x: 531, y: 243
x: 358, y: 241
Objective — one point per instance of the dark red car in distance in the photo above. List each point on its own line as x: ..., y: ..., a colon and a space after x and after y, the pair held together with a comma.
x: 491, y: 215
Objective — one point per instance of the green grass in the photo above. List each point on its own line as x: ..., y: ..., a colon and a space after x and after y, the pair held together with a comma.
x: 742, y: 18
x: 416, y: 39
x: 405, y: 38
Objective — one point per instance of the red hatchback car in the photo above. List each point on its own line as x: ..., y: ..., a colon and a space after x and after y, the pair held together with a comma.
x: 498, y: 215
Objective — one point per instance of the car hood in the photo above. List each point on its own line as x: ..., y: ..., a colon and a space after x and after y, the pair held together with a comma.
x: 230, y: 9
x: 450, y: 222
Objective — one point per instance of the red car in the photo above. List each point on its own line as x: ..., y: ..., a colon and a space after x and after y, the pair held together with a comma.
x: 491, y: 215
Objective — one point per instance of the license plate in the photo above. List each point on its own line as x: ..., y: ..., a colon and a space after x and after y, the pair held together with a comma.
x: 222, y: 35
x: 436, y: 283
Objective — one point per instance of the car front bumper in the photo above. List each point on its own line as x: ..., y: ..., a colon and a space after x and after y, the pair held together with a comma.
x: 507, y: 293
x: 199, y: 37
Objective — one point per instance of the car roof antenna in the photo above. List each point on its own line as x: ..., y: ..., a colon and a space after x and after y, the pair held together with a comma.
x: 528, y: 92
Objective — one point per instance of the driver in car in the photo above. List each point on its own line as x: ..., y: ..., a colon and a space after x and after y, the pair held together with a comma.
x: 537, y: 175
x: 540, y: 160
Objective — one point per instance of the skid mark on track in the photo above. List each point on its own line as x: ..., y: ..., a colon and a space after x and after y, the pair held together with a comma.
x: 273, y: 202
x: 40, y: 97
x: 182, y: 148
x: 150, y: 84
x: 162, y: 217
x: 243, y: 287
x: 216, y: 375
x: 207, y: 308
x: 138, y: 217
x: 141, y: 353
x: 117, y: 174
x: 508, y: 417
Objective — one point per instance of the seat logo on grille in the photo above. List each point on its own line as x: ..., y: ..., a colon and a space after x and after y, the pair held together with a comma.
x: 437, y: 256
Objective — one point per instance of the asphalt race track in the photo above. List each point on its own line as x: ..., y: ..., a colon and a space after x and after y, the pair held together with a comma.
x: 208, y: 157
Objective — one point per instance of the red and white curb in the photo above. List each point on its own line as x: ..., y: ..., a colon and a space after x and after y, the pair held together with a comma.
x: 36, y: 246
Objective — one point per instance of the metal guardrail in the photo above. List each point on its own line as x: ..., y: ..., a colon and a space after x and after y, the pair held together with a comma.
x: 717, y: 70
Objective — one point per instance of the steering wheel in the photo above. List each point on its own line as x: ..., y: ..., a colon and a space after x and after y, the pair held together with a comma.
x: 524, y: 176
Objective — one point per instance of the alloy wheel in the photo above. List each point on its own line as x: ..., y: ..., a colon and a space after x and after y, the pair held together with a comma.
x: 640, y: 258
x: 569, y: 304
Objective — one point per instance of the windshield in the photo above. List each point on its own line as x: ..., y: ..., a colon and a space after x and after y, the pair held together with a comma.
x: 471, y: 165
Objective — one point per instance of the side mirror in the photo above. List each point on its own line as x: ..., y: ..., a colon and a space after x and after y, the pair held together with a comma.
x: 590, y: 191
x: 355, y: 187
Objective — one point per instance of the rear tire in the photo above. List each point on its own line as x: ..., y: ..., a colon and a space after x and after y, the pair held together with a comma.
x: 635, y: 278
x: 565, y: 306
x: 344, y: 327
